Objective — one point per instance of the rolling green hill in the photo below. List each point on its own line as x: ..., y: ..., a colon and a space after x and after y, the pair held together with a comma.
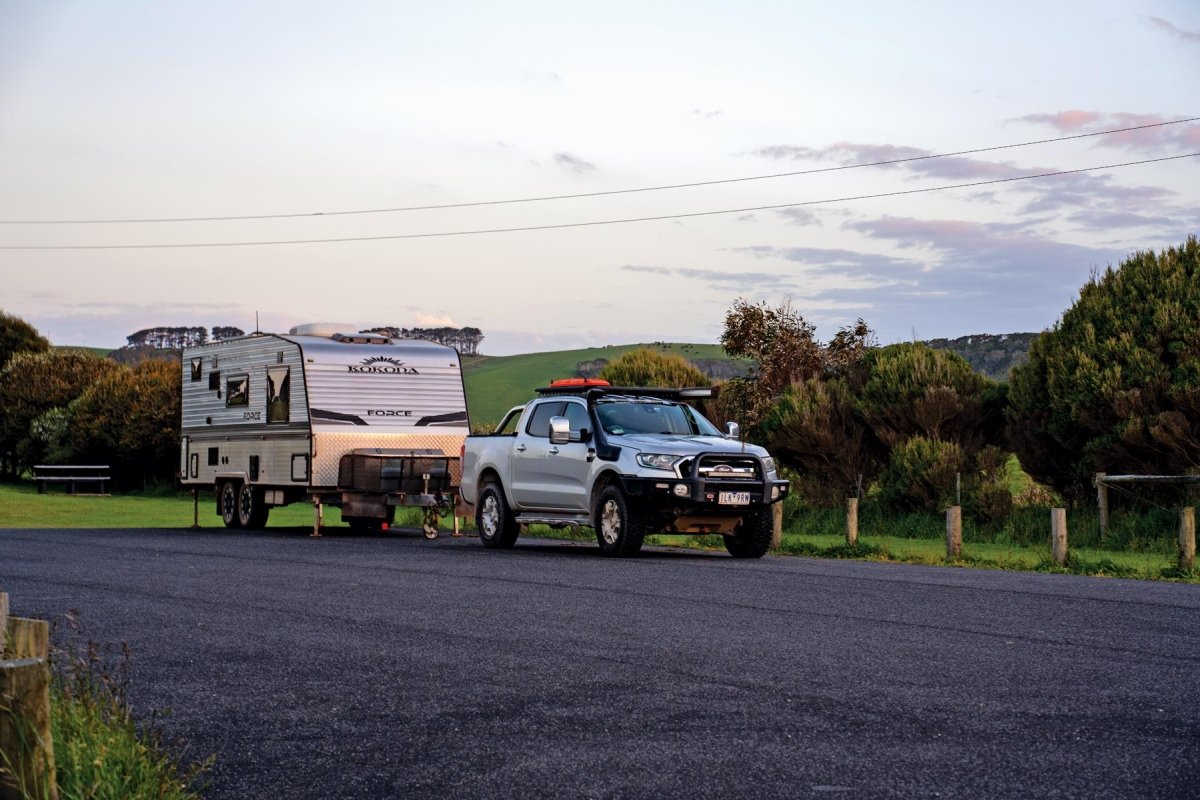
x: 497, y: 383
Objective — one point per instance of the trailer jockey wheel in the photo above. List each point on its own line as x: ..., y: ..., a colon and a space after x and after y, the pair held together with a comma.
x: 430, y: 523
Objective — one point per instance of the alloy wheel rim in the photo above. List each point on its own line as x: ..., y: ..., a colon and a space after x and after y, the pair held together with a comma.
x: 610, y: 522
x: 491, y: 516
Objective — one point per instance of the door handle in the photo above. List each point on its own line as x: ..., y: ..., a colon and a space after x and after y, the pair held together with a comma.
x: 553, y: 451
x: 520, y: 448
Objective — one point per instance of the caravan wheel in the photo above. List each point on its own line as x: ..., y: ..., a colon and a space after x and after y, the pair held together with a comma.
x: 252, y: 511
x: 228, y: 492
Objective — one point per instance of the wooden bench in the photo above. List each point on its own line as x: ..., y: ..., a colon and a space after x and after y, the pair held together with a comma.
x: 70, y: 476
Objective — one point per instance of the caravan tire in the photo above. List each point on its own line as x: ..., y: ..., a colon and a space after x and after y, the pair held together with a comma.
x: 252, y: 511
x: 228, y: 504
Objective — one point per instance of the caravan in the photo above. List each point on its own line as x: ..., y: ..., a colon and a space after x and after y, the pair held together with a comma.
x: 356, y: 420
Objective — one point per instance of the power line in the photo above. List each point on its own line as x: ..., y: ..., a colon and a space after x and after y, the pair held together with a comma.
x: 589, y: 223
x: 476, y: 204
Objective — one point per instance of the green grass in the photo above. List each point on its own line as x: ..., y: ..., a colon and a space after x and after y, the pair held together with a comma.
x: 101, y: 751
x: 1136, y: 546
x: 494, y: 384
x: 988, y: 555
x: 22, y: 507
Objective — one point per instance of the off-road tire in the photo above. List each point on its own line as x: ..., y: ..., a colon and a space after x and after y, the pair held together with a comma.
x: 620, y: 530
x: 228, y: 504
x: 752, y: 539
x: 252, y: 510
x: 497, y: 526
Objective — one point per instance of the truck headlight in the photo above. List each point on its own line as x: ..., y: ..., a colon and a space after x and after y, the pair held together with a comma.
x: 657, y: 461
x: 769, y: 464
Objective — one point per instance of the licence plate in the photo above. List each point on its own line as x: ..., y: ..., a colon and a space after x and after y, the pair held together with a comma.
x: 733, y: 498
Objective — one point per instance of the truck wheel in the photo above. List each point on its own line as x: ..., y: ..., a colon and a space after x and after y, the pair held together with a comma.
x: 753, y: 537
x: 497, y: 528
x: 229, y: 504
x: 619, y: 530
x: 252, y: 511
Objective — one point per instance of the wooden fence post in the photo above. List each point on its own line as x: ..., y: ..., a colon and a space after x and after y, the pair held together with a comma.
x: 1187, y: 538
x: 1102, y: 501
x: 1058, y: 535
x: 852, y: 521
x: 3, y: 620
x: 27, y: 770
x: 27, y: 638
x: 777, y: 528
x: 953, y: 531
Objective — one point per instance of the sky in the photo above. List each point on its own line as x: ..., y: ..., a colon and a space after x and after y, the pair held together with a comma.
x: 296, y: 112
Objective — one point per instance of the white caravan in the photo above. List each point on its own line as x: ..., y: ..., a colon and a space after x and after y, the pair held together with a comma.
x: 356, y: 420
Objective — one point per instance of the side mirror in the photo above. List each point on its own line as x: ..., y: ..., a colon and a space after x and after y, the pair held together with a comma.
x: 560, y: 430
x: 581, y: 435
x: 733, y: 430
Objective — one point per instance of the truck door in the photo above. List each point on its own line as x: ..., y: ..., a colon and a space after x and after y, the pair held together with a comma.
x: 529, y: 456
x: 567, y: 465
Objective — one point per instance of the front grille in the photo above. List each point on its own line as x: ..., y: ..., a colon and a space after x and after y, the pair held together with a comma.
x: 728, y: 468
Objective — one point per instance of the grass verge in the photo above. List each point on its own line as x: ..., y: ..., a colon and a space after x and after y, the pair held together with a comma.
x: 1136, y: 546
x: 101, y: 752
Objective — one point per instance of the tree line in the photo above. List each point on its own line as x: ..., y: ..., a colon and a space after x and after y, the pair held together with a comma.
x: 1113, y: 386
x: 464, y: 340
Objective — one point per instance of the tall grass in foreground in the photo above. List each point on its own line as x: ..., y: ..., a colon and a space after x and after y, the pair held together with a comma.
x: 101, y: 751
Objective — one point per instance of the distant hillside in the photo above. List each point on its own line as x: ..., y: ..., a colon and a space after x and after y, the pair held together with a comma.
x: 992, y: 354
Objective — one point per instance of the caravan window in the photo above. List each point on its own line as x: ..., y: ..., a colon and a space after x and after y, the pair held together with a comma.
x: 237, y: 390
x: 197, y: 372
x: 279, y: 390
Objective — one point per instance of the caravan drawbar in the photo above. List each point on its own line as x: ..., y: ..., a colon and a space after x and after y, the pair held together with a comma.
x: 356, y: 420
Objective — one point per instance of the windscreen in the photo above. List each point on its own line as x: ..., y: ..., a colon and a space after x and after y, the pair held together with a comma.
x: 619, y: 417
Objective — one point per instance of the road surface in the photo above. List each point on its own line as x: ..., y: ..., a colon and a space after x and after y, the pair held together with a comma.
x: 390, y: 666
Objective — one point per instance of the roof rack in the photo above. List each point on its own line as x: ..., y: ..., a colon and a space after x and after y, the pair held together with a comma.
x: 682, y: 393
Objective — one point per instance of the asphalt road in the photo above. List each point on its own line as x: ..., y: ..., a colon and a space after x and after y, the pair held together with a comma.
x: 389, y: 666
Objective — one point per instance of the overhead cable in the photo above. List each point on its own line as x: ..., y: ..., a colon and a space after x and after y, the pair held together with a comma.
x: 556, y: 226
x: 694, y: 184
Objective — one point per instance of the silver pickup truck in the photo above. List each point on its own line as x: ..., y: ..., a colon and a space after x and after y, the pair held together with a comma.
x: 625, y: 461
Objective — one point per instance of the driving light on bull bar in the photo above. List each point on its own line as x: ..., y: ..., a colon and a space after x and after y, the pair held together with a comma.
x: 682, y: 490
x: 657, y: 461
x: 774, y: 492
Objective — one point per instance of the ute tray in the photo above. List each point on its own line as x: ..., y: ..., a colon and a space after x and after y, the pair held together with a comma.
x: 395, y: 471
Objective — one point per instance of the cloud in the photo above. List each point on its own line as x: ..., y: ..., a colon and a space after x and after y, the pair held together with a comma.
x: 798, y: 216
x: 573, y: 163
x: 1191, y: 37
x: 1166, y: 138
x: 100, y: 324
x: 927, y: 163
x: 700, y: 112
x: 845, y: 153
x: 426, y: 320
x: 1098, y: 220
x: 1083, y: 192
x: 720, y: 279
x: 1098, y: 194
x: 961, y: 276
x: 834, y: 259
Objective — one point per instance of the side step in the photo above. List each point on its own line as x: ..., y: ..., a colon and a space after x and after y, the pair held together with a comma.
x: 553, y: 520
